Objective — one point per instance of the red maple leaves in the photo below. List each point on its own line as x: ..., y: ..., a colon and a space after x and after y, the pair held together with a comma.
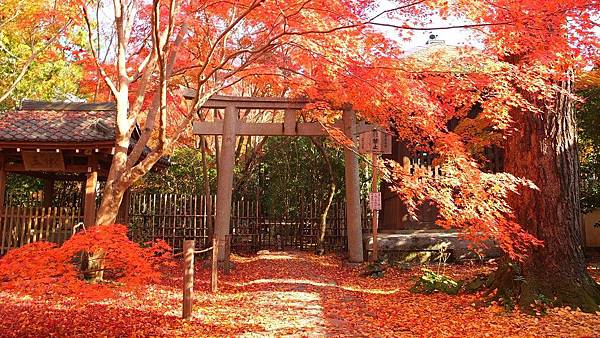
x: 44, y: 268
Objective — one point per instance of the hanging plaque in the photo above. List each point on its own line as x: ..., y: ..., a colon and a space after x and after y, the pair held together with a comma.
x: 43, y: 161
x: 375, y: 141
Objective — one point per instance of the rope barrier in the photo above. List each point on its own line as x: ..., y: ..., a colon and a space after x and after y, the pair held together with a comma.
x: 195, y: 252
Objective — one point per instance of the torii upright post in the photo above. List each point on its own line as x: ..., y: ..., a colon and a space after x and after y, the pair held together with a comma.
x: 353, y: 211
x: 225, y: 178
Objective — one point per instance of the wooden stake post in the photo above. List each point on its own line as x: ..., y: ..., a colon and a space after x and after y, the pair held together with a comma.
x: 374, y: 209
x: 214, y: 266
x: 375, y: 142
x: 188, y: 278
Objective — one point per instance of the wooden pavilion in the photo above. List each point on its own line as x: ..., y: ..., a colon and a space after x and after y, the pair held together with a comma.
x: 55, y: 141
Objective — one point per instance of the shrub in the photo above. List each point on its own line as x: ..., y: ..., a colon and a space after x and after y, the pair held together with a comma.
x: 432, y: 282
x: 44, y: 268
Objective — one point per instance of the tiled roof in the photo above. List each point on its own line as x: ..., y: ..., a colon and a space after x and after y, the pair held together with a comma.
x: 33, y: 123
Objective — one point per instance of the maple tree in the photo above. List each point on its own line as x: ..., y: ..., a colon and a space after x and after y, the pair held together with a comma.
x: 525, y: 98
x: 333, y: 54
x: 520, y: 91
x: 547, y: 48
x: 231, y: 42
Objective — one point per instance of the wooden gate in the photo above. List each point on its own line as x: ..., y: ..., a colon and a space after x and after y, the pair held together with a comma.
x: 23, y: 225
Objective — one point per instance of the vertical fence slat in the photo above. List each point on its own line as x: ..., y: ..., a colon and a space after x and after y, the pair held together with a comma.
x: 4, y: 227
x: 11, y: 227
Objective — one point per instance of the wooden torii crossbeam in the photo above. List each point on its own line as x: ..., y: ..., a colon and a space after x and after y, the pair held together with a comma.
x: 290, y: 126
x: 231, y: 126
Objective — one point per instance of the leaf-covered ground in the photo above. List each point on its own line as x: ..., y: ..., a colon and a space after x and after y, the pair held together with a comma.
x: 278, y: 294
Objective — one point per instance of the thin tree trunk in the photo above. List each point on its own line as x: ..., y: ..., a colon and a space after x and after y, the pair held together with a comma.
x: 555, y: 273
x: 320, y: 250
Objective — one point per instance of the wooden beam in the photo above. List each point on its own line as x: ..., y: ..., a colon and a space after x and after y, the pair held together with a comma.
x: 70, y: 168
x: 264, y: 129
x: 310, y: 129
x: 352, y: 181
x: 48, y: 193
x: 290, y: 122
x: 103, y: 146
x: 273, y: 129
x: 244, y: 102
x: 89, y: 206
x: 208, y: 128
x: 74, y: 177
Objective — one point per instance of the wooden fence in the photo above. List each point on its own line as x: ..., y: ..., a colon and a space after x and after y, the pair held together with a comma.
x: 24, y: 225
x: 174, y: 218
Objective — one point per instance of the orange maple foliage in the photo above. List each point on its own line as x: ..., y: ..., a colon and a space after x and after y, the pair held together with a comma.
x: 332, y: 52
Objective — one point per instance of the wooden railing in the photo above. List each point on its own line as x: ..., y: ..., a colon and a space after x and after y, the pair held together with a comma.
x: 23, y: 225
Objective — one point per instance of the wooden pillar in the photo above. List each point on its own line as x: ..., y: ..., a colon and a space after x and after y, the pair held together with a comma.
x: 188, y: 278
x: 2, y: 183
x: 289, y: 122
x: 352, y: 180
x: 48, y: 193
x: 225, y: 177
x: 89, y: 202
x: 374, y: 223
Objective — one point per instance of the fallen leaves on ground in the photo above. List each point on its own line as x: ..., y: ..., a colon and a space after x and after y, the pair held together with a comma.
x: 278, y: 294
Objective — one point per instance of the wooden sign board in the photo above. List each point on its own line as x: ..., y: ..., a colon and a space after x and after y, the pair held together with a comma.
x: 375, y: 141
x: 591, y: 223
x: 375, y: 200
x: 43, y: 161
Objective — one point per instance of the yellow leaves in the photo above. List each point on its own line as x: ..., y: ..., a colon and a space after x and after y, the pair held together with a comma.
x: 587, y: 80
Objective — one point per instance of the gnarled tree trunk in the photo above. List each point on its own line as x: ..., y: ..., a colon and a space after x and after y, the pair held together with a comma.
x: 544, y: 150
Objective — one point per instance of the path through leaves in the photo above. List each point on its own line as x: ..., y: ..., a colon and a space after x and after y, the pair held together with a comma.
x: 279, y: 294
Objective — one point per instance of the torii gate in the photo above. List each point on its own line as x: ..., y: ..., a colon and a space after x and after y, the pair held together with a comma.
x: 230, y: 127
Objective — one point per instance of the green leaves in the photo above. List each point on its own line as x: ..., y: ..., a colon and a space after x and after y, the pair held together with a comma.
x: 431, y: 282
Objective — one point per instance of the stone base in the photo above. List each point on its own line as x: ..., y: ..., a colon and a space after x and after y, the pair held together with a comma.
x: 427, y: 245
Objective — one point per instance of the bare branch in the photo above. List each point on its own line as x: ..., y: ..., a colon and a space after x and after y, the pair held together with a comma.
x: 105, y: 76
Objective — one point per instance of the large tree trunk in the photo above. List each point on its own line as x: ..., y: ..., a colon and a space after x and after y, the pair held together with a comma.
x: 109, y: 206
x: 544, y: 150
x: 112, y: 196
